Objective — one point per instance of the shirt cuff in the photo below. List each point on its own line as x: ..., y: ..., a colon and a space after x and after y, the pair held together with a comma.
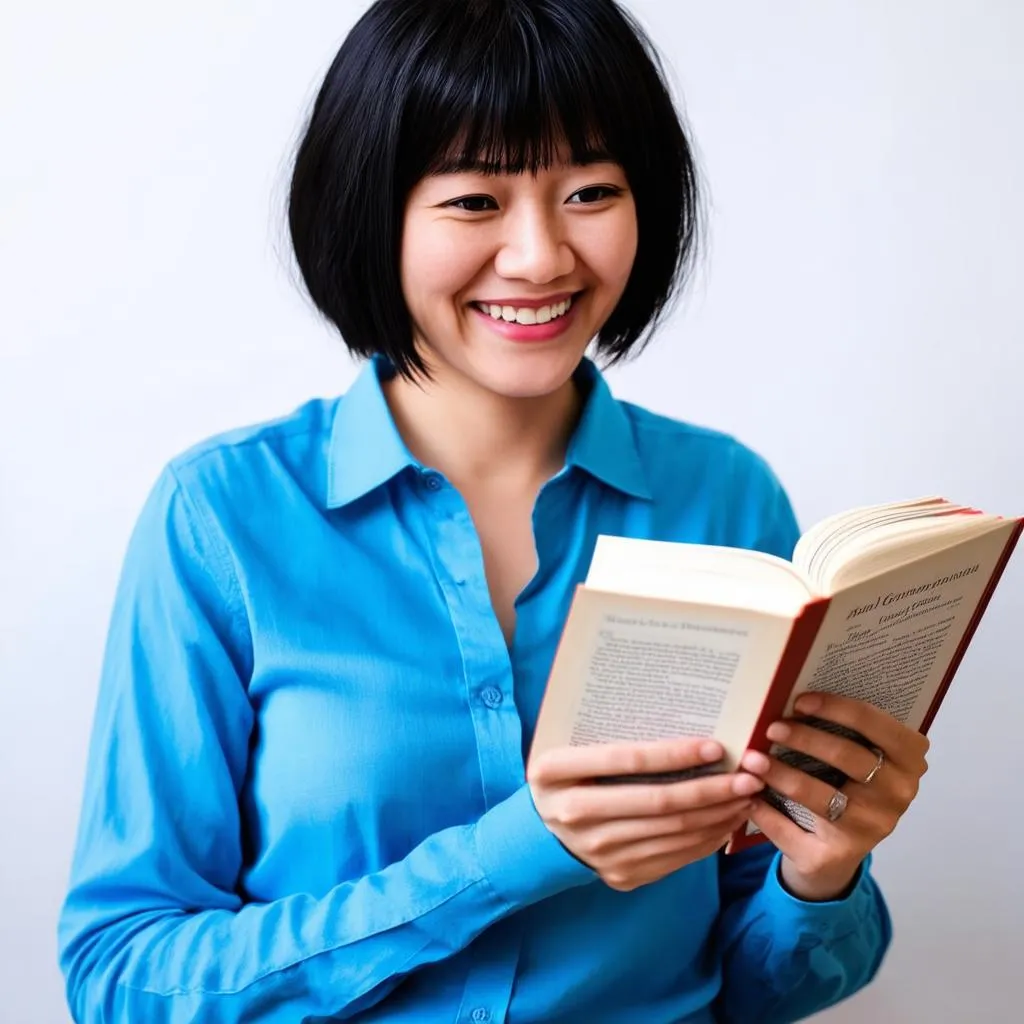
x: 781, y: 904
x: 521, y: 858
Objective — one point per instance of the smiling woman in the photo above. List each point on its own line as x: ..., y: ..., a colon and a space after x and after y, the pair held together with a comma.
x: 474, y: 90
x: 508, y: 282
x: 306, y: 795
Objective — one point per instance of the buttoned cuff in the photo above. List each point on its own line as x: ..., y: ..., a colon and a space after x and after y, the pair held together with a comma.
x: 521, y: 859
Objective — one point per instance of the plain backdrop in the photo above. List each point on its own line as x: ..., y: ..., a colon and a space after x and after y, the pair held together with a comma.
x: 858, y: 319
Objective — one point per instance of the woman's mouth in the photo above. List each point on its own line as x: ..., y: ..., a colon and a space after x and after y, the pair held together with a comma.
x: 527, y: 316
x: 533, y: 323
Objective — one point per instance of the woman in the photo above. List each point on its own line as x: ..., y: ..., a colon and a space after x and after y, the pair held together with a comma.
x: 306, y: 797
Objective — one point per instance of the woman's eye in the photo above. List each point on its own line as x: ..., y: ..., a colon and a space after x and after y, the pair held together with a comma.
x: 474, y: 204
x: 594, y: 194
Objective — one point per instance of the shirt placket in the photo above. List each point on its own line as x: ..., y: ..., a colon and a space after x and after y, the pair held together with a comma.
x: 490, y: 697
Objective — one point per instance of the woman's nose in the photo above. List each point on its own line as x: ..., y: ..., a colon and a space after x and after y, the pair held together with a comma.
x: 534, y: 248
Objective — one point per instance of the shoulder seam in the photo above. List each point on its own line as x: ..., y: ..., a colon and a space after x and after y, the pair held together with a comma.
x: 207, y: 448
x: 643, y: 419
x: 235, y: 598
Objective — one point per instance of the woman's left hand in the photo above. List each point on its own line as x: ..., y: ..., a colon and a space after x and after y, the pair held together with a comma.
x: 820, y: 865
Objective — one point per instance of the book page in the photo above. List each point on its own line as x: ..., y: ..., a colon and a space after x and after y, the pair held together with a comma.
x: 635, y: 669
x: 699, y: 574
x: 890, y: 641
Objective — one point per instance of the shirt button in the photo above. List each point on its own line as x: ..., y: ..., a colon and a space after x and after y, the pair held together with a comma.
x: 492, y: 697
x: 480, y: 1014
x: 432, y: 482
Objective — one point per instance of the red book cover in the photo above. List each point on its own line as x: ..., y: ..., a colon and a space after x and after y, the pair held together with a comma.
x: 801, y: 639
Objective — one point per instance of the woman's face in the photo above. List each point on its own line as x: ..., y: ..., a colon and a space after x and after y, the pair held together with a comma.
x: 490, y: 262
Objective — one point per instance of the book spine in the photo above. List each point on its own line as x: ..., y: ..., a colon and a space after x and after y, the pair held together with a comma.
x: 801, y: 639
x: 972, y: 626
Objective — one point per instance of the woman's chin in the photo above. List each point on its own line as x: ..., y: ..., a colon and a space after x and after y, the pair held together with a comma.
x: 527, y: 375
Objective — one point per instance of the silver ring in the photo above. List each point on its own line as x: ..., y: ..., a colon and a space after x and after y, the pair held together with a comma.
x: 878, y: 765
x: 836, y: 806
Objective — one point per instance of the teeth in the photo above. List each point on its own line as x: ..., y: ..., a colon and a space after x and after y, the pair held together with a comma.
x: 528, y: 316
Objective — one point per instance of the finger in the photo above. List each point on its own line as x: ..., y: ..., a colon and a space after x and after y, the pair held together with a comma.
x: 626, y: 831
x: 662, y: 858
x: 579, y: 805
x: 814, y: 794
x: 852, y: 759
x: 781, y: 831
x: 661, y: 846
x: 575, y: 764
x: 657, y: 867
x: 902, y: 746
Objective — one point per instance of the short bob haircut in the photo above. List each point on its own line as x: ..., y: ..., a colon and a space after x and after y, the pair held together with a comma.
x: 423, y: 86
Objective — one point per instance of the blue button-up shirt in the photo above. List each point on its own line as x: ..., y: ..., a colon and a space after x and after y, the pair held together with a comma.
x: 305, y: 794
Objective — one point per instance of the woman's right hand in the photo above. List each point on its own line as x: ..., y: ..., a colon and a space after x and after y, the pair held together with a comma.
x: 632, y: 834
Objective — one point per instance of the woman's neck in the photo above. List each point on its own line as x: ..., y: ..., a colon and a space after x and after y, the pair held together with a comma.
x: 475, y: 437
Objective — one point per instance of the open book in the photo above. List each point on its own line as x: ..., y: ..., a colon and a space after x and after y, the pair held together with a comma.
x: 668, y: 639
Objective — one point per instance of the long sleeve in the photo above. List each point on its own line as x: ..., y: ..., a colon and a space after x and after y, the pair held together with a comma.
x: 785, y: 959
x: 154, y: 928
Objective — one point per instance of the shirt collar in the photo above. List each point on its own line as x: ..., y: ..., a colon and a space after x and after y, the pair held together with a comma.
x: 366, y: 449
x: 604, y: 445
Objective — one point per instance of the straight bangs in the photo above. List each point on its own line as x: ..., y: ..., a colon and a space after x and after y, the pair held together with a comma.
x: 514, y: 88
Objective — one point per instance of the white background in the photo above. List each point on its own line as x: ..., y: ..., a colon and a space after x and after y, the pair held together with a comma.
x: 859, y: 321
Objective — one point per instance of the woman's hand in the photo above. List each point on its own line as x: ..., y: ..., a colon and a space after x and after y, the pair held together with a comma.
x: 820, y: 865
x: 632, y: 834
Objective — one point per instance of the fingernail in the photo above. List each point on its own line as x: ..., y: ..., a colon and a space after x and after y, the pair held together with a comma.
x: 747, y: 785
x: 756, y: 762
x: 809, y: 703
x: 779, y: 731
x: 711, y: 751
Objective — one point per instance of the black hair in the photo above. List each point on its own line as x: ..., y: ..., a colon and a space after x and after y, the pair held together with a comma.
x: 423, y: 84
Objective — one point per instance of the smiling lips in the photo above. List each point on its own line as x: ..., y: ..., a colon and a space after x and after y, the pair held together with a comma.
x: 526, y: 315
x: 525, y: 320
